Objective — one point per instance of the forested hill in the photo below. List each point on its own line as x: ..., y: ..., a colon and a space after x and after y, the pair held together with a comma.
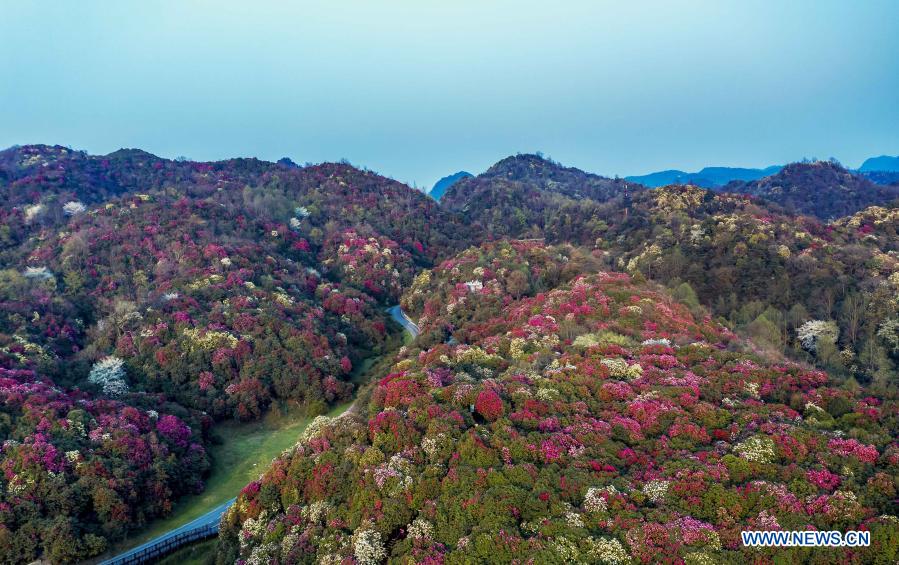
x: 823, y: 189
x: 54, y: 175
x: 44, y: 185
x: 605, y: 372
x: 586, y: 419
x: 144, y: 299
x: 747, y: 257
x: 530, y: 196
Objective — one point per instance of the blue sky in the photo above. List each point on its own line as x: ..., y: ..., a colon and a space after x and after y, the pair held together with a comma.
x: 418, y: 89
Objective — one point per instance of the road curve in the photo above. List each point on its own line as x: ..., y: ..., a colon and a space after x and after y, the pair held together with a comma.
x: 208, y: 524
x: 396, y: 312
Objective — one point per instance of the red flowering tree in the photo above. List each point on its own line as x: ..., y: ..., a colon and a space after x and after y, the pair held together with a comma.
x: 489, y: 405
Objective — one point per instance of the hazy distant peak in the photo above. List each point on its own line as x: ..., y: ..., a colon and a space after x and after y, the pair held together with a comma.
x: 882, y: 163
x: 708, y: 177
x: 441, y: 186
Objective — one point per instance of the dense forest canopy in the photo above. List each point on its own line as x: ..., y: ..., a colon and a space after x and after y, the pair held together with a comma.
x: 604, y: 371
x: 131, y: 282
x: 590, y: 419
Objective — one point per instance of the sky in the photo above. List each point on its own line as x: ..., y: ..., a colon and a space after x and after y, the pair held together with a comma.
x: 419, y: 89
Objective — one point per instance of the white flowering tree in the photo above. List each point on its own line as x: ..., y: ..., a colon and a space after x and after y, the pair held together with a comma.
x: 420, y: 529
x: 814, y: 333
x: 42, y: 273
x: 73, y: 208
x: 368, y: 548
x: 109, y: 374
x: 656, y: 490
x: 593, y: 501
x: 33, y: 211
x: 760, y: 449
x: 889, y: 333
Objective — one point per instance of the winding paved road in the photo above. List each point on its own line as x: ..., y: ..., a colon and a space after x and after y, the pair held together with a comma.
x: 208, y: 524
x: 402, y: 319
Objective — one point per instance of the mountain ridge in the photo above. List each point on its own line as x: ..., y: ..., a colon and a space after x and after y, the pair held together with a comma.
x: 707, y: 177
x: 820, y: 188
x: 602, y: 367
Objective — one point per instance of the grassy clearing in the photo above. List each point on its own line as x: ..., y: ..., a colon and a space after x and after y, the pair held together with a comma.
x: 244, y: 452
x: 240, y: 453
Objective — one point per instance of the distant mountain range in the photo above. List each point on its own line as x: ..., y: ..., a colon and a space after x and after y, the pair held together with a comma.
x: 443, y: 184
x: 883, y: 163
x: 709, y: 177
x: 880, y: 170
x: 532, y: 197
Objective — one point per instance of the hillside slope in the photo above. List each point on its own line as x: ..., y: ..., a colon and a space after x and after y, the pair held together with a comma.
x: 748, y: 259
x: 823, y: 189
x: 221, y: 286
x: 143, y: 299
x: 769, y: 273
x: 599, y: 421
x: 527, y: 196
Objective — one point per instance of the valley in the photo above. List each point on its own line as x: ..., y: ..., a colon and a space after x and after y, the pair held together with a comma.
x: 449, y: 283
x: 590, y: 370
x: 240, y: 452
x: 245, y: 450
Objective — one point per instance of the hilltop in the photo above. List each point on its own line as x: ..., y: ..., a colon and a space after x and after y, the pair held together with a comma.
x: 824, y: 189
x: 530, y: 196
